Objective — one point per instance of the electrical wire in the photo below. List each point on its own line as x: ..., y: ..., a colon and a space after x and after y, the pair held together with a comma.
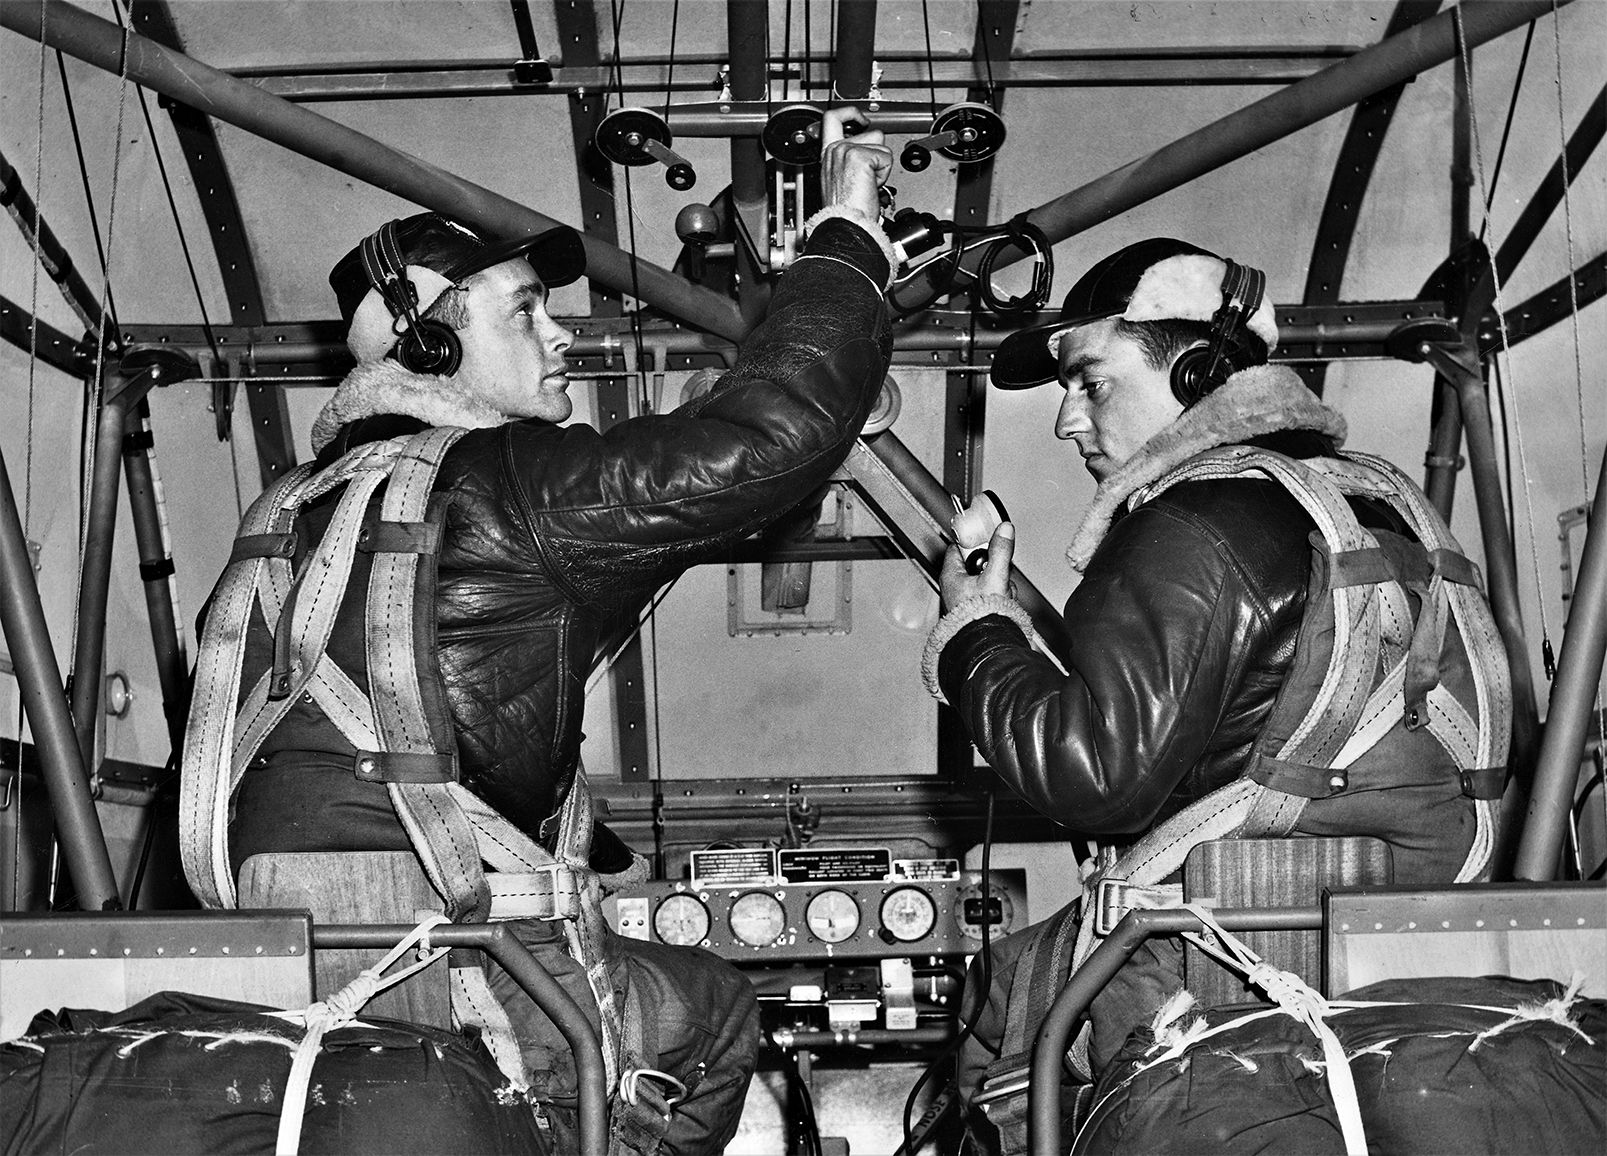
x: 806, y: 1109
x: 984, y: 984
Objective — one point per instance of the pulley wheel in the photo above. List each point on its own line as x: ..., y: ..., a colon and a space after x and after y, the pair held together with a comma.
x: 620, y: 135
x: 792, y: 135
x: 979, y: 129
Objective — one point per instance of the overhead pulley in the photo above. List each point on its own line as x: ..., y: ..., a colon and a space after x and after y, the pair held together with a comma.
x: 792, y: 134
x: 967, y: 132
x: 640, y: 136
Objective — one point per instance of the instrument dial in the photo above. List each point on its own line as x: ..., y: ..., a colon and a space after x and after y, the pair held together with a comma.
x: 681, y: 920
x: 833, y: 916
x: 758, y: 919
x: 968, y: 912
x: 908, y: 914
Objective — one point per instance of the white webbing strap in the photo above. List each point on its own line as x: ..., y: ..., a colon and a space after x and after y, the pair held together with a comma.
x: 209, y: 738
x: 337, y: 1011
x: 474, y: 1005
x: 1349, y: 715
x: 1294, y: 999
x: 587, y: 935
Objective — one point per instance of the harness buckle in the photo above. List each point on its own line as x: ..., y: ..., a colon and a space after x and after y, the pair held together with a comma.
x: 549, y: 893
x: 1114, y: 898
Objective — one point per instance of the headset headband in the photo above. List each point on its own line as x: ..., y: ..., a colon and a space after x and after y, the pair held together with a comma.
x: 387, y: 272
x: 1242, y: 291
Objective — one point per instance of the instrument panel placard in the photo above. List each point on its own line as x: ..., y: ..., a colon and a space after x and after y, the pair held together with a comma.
x: 835, y: 865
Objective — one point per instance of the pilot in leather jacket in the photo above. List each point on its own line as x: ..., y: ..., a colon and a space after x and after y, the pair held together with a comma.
x: 1182, y: 631
x: 551, y: 534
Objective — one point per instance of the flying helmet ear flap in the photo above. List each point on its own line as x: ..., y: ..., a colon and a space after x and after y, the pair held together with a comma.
x: 1201, y: 368
x: 423, y: 346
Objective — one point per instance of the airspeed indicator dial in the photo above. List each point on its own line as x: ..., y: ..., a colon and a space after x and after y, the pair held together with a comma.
x: 908, y: 914
x: 833, y: 916
x: 681, y: 920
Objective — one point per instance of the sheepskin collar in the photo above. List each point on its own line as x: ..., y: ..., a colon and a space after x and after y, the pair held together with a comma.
x: 1252, y: 403
x: 384, y: 387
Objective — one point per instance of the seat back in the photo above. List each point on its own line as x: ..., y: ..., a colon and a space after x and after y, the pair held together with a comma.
x: 1523, y: 930
x: 112, y: 961
x: 1289, y: 872
x: 356, y: 887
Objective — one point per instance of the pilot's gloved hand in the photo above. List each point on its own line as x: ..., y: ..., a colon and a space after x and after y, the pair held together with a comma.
x: 959, y: 586
x: 853, y: 168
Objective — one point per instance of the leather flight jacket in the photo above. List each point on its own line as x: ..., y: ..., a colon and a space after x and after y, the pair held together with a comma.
x: 552, y: 535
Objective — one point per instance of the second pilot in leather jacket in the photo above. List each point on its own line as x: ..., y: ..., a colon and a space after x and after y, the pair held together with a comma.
x: 552, y: 533
x: 1182, y: 631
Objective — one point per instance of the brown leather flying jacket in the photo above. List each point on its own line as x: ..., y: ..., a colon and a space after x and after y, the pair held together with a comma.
x: 554, y: 532
x: 1182, y: 631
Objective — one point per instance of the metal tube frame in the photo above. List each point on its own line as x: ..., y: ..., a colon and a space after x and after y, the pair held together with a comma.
x: 156, y: 570
x: 1500, y: 560
x: 500, y: 944
x: 855, y: 51
x: 1573, y: 701
x: 1389, y: 62
x: 1351, y: 331
x: 94, y: 583
x: 747, y: 31
x: 39, y: 678
x: 1091, y: 978
x: 215, y: 93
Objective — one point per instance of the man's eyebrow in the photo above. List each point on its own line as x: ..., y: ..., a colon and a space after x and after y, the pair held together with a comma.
x: 1079, y: 365
x: 525, y: 289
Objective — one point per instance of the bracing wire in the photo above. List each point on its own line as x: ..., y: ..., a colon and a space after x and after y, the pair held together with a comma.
x: 1506, y: 342
x: 33, y: 305
x: 1506, y: 130
x: 1568, y: 231
x: 786, y: 41
x: 83, y: 179
x: 808, y: 52
x: 173, y: 208
x: 987, y: 55
x: 931, y: 74
x: 644, y: 406
x: 669, y: 78
x: 1573, y: 312
x: 92, y: 424
x: 33, y: 363
x: 616, y: 7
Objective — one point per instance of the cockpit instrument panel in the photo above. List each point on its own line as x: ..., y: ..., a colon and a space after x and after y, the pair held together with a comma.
x: 821, y: 906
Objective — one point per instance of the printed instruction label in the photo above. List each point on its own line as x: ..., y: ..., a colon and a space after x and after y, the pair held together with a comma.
x: 733, y: 865
x: 835, y: 865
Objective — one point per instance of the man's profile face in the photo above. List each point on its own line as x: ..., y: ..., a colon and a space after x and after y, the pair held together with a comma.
x: 1115, y: 400
x: 513, y: 351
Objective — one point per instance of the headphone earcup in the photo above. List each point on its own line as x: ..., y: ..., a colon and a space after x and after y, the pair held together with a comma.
x: 430, y: 347
x: 1191, y: 375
